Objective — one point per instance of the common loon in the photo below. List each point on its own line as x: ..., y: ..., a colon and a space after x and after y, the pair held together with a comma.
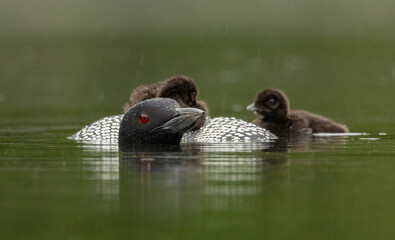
x: 273, y: 105
x: 180, y: 88
x: 216, y: 130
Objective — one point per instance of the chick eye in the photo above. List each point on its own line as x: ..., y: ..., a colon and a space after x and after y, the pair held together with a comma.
x: 144, y: 118
x: 272, y: 101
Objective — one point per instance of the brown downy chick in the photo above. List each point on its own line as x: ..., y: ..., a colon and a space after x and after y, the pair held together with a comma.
x: 180, y: 88
x: 273, y: 105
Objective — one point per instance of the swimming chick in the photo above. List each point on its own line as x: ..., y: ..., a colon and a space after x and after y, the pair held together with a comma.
x: 180, y: 88
x: 273, y: 105
x: 130, y: 128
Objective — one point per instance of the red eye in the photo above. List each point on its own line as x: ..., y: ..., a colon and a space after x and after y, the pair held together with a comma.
x: 144, y: 118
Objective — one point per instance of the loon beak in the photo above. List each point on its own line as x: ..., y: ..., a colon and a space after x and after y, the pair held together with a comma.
x: 182, y: 121
x: 252, y: 107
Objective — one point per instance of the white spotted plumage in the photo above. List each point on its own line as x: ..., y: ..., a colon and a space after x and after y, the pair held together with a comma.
x: 225, y: 129
x: 216, y: 130
x: 104, y: 130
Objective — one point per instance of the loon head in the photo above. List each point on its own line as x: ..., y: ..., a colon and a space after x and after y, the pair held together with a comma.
x: 272, y: 104
x: 156, y: 121
x: 180, y: 88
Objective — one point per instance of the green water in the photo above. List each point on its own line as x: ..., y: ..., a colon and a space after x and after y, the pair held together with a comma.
x: 324, y: 188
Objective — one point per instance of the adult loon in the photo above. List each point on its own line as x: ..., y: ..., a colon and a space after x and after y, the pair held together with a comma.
x: 273, y: 105
x: 180, y: 88
x: 128, y: 130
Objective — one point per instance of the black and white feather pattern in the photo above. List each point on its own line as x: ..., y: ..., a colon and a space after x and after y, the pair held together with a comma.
x: 225, y: 129
x: 216, y: 130
x: 102, y: 131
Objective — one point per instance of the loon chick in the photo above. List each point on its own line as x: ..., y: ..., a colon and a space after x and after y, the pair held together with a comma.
x: 180, y: 88
x: 273, y: 105
x: 156, y: 121
x: 141, y: 93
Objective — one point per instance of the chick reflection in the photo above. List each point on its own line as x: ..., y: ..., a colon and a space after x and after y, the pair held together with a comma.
x: 310, y: 143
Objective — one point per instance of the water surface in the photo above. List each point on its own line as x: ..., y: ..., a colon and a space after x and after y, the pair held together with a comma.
x: 326, y: 187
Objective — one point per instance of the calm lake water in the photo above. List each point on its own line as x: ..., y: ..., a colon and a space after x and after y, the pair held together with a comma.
x: 340, y: 187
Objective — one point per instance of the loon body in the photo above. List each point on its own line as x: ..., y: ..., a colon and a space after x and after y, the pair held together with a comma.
x: 273, y: 105
x: 226, y: 129
x: 217, y: 130
x: 184, y: 92
x: 104, y: 130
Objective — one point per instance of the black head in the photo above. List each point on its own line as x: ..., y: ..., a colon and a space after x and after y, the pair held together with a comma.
x: 272, y: 104
x: 156, y: 121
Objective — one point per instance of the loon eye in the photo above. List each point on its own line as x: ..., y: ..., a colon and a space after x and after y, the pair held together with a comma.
x: 144, y: 118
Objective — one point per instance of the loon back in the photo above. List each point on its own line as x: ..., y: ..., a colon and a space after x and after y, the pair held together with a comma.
x: 216, y: 130
x: 231, y: 130
x: 102, y: 131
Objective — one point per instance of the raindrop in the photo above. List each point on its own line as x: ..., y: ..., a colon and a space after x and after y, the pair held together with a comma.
x: 369, y: 139
x: 259, y: 53
x: 237, y: 108
x: 142, y: 60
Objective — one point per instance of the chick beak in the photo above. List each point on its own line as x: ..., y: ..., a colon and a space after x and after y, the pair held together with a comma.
x: 252, y: 107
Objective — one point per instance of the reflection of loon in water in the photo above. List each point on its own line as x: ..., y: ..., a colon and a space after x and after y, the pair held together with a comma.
x: 195, y: 156
x: 194, y: 181
x: 133, y: 130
